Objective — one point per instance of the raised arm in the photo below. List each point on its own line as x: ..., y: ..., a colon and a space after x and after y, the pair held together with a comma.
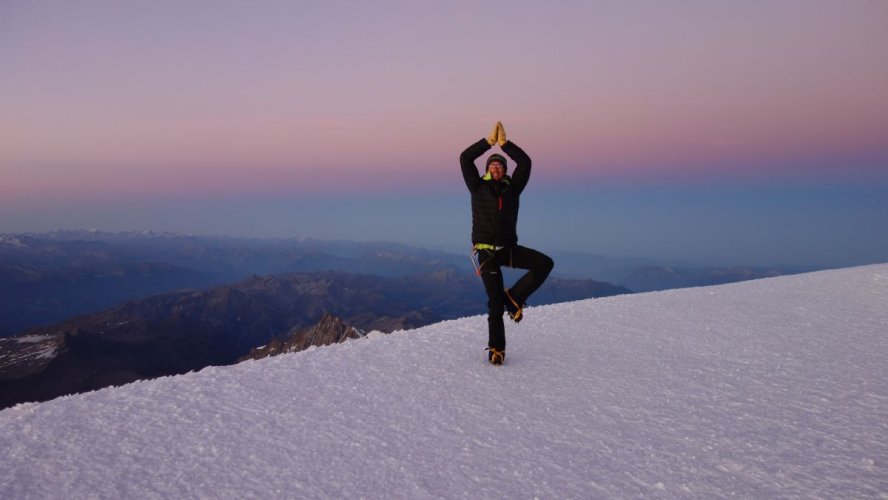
x: 467, y: 163
x: 522, y: 169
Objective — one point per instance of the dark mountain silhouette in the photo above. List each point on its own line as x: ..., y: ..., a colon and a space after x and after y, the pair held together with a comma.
x: 51, y: 277
x: 31, y: 295
x: 329, y: 330
x: 48, y: 278
x: 176, y: 332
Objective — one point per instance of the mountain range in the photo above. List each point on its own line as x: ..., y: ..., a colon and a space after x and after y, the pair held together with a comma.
x: 47, y: 278
x: 50, y: 277
x: 82, y: 310
x: 180, y: 331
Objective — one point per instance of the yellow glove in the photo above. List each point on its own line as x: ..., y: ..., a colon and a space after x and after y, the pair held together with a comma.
x: 500, y: 134
x: 491, y: 139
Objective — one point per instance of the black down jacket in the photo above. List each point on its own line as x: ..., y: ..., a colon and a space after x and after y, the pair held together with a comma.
x: 495, y: 204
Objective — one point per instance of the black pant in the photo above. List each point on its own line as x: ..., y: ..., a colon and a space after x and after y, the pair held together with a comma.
x: 538, y: 264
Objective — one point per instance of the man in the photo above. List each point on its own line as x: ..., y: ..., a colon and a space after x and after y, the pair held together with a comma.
x: 495, y: 199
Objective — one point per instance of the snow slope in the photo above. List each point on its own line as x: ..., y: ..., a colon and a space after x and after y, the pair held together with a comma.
x: 775, y: 388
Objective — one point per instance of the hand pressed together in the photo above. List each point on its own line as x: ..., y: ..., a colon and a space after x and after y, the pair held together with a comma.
x: 497, y: 135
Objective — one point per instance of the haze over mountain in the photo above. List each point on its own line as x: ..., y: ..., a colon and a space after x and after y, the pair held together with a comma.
x: 82, y: 303
x: 775, y: 388
x: 51, y: 277
x: 48, y: 278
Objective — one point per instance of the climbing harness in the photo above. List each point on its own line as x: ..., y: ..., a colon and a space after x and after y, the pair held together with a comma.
x: 490, y: 248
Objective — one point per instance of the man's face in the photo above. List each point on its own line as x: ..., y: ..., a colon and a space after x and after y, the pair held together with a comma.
x: 497, y: 170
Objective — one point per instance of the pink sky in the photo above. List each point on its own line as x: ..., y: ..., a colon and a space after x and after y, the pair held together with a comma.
x: 156, y: 99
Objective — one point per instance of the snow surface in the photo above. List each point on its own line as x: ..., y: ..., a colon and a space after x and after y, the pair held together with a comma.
x: 11, y: 240
x: 31, y: 339
x: 775, y: 388
x: 30, y: 348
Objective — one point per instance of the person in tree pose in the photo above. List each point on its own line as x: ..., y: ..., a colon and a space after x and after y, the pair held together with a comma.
x: 495, y: 199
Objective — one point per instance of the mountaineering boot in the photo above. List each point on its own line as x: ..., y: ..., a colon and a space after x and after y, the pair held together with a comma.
x: 496, y: 356
x: 513, y: 308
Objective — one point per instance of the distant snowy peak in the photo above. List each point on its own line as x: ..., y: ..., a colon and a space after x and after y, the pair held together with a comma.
x: 12, y: 240
x: 95, y: 234
x: 119, y: 236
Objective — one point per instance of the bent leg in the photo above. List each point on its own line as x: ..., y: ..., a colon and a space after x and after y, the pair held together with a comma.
x: 539, y: 266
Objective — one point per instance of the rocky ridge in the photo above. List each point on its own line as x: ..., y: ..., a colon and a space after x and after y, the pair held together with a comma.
x: 329, y: 330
